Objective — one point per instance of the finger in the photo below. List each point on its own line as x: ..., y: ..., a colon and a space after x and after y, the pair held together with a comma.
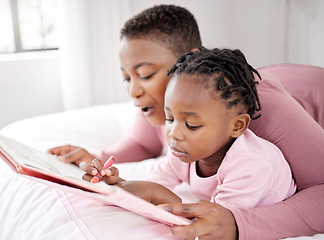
x: 61, y: 150
x: 112, y: 171
x: 110, y: 180
x: 112, y: 177
x: 75, y: 154
x: 87, y: 177
x: 97, y: 163
x: 188, y: 210
x: 200, y: 228
x: 88, y: 168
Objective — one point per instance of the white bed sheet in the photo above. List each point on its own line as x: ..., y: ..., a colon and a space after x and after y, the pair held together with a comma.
x: 32, y: 210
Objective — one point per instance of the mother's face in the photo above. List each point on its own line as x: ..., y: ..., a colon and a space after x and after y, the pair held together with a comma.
x: 144, y: 65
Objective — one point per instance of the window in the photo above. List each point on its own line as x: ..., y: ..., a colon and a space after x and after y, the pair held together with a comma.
x: 28, y: 25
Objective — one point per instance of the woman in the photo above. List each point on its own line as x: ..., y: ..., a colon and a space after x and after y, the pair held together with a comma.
x: 150, y: 44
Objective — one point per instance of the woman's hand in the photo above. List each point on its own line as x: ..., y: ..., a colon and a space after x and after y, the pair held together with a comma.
x: 213, y: 221
x: 109, y: 175
x: 72, y: 154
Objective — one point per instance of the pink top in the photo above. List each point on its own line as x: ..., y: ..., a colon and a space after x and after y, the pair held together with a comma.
x: 299, y: 135
x: 253, y: 173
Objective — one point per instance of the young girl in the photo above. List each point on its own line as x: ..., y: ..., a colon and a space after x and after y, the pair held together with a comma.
x: 209, y: 102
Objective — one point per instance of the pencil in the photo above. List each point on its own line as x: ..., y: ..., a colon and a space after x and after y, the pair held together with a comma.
x: 72, y: 152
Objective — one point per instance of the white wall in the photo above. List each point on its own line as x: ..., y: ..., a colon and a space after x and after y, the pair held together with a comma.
x: 267, y: 31
x: 255, y: 27
x: 29, y: 86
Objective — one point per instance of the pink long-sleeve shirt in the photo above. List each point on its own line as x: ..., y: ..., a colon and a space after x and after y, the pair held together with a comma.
x: 253, y: 173
x: 293, y: 119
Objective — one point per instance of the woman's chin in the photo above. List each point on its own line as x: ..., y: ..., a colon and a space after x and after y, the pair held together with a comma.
x: 154, y: 117
x: 156, y: 120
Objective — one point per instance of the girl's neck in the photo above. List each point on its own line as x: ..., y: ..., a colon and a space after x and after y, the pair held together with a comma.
x: 209, y: 166
x: 206, y: 170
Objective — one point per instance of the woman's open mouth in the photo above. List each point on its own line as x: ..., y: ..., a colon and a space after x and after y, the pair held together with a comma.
x: 146, y: 111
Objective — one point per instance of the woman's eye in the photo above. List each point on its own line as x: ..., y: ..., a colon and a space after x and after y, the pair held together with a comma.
x: 147, y: 76
x: 193, y: 127
x: 169, y: 120
x: 126, y: 78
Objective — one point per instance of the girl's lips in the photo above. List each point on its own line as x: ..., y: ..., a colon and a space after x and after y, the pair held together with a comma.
x: 178, y: 153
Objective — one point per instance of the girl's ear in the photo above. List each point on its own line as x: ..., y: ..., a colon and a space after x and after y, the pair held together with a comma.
x: 240, y: 125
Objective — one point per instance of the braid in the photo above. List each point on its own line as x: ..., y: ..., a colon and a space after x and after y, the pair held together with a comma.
x: 173, y: 26
x: 232, y: 76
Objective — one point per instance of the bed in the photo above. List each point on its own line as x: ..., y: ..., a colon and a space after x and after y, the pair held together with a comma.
x: 33, y: 210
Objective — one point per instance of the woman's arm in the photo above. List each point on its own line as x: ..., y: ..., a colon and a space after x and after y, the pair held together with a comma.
x: 142, y: 143
x: 300, y: 215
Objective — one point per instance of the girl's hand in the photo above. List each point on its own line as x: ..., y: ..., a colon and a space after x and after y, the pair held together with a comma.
x: 109, y: 175
x: 72, y: 154
x: 152, y: 192
x: 213, y: 221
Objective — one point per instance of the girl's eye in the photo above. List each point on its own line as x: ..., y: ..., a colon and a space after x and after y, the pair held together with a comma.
x: 191, y: 127
x: 126, y: 79
x: 169, y: 120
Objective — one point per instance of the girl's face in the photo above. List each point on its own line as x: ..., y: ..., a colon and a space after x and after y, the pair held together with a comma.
x: 198, y: 126
x: 144, y: 66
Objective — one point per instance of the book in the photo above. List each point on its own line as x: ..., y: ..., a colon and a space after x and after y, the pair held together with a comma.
x: 44, y: 167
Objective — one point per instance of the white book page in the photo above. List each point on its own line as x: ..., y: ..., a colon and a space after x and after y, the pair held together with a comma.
x: 26, y: 155
x: 31, y: 157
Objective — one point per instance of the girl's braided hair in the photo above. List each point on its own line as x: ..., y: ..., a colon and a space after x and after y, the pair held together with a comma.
x: 173, y: 26
x: 227, y: 71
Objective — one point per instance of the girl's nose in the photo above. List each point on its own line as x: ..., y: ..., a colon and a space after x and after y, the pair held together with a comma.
x: 176, y: 134
x: 135, y: 89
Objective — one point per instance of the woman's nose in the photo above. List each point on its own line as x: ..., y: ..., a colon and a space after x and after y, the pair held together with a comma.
x: 135, y: 89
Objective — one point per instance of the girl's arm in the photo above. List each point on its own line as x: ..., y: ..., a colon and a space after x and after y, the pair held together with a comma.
x: 152, y: 192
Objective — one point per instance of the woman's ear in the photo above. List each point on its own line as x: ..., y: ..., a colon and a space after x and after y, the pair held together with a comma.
x: 241, y: 123
x: 195, y: 50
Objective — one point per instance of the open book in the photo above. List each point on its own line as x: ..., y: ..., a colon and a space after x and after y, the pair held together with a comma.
x: 28, y: 161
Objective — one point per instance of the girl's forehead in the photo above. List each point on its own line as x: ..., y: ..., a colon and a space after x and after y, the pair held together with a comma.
x: 189, y: 85
x: 199, y: 87
x: 198, y: 81
x: 190, y: 96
